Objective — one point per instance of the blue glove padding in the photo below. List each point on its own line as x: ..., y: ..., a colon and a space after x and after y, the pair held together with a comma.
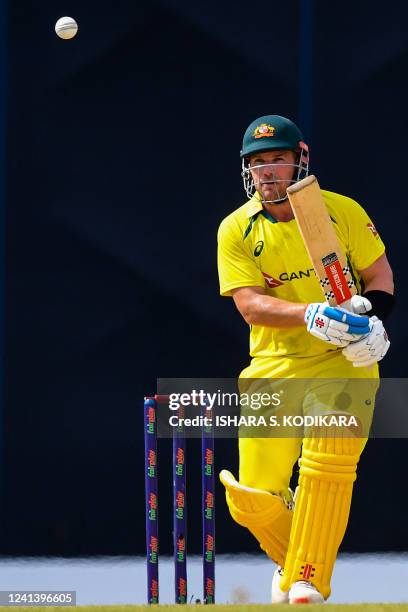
x: 357, y: 324
x: 335, y: 325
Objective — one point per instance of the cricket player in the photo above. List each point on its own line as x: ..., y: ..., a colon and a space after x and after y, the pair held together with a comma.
x: 264, y: 266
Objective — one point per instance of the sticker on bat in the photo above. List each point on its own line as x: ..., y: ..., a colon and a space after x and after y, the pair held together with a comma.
x: 335, y: 275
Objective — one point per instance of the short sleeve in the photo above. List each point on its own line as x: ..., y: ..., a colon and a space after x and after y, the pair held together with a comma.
x: 365, y: 244
x: 236, y: 268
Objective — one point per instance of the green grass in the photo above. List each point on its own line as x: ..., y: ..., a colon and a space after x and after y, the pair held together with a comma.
x: 225, y: 608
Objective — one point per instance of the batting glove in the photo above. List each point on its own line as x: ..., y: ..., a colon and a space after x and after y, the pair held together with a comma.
x: 360, y: 304
x: 372, y: 348
x: 335, y: 325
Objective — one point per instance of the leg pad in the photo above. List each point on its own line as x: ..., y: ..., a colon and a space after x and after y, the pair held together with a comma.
x: 265, y: 515
x: 326, y: 477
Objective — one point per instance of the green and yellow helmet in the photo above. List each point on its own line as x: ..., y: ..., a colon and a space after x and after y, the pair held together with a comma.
x: 266, y: 134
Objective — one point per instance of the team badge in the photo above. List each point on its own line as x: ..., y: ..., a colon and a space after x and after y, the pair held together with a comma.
x: 372, y: 228
x: 264, y: 131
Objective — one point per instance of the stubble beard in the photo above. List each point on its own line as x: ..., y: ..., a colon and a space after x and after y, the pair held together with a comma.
x: 275, y: 192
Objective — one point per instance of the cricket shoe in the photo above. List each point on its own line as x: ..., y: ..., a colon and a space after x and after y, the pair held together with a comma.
x: 277, y: 595
x: 304, y: 593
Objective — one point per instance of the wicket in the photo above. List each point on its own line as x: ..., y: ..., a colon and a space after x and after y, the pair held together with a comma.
x: 179, y: 506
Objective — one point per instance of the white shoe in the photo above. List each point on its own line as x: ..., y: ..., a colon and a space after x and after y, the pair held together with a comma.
x: 278, y: 596
x: 303, y: 593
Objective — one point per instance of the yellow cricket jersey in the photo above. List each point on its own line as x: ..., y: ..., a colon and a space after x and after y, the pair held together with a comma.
x: 256, y: 250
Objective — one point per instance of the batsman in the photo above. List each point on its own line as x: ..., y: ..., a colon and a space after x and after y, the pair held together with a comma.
x: 264, y: 265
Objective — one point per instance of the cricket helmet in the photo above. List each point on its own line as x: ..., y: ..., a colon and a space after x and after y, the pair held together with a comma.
x: 269, y: 133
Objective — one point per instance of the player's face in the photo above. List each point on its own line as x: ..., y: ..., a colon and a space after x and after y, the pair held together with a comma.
x: 272, y: 173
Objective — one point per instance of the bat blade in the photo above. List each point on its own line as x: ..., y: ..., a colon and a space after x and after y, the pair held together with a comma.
x: 321, y: 242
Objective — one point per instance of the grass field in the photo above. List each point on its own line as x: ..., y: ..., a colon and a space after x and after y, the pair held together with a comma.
x: 227, y: 608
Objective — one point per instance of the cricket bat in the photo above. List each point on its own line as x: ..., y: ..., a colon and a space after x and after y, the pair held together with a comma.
x: 321, y: 242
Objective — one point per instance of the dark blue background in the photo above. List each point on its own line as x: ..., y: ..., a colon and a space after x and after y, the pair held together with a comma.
x: 123, y: 157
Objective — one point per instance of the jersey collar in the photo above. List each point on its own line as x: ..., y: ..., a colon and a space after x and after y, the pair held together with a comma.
x: 254, y: 206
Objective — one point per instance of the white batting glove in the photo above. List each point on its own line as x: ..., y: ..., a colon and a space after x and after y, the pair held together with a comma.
x: 372, y: 348
x: 335, y: 325
x: 360, y: 305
